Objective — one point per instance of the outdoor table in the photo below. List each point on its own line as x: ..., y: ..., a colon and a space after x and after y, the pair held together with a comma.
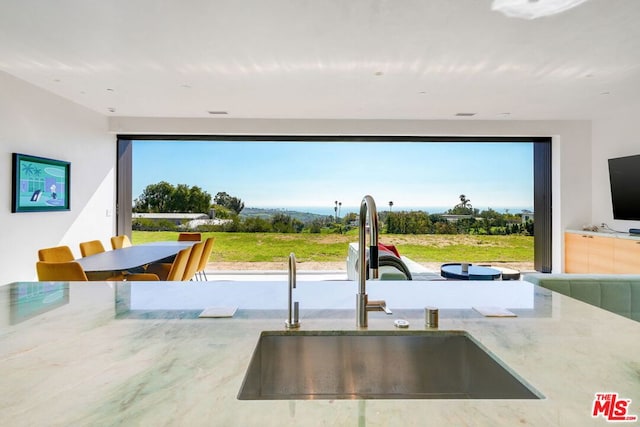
x: 131, y: 257
x: 454, y: 271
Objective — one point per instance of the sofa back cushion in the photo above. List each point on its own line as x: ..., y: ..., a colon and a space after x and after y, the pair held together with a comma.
x: 617, y: 293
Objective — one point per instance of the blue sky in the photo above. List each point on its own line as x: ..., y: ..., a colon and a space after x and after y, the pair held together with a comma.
x: 291, y: 174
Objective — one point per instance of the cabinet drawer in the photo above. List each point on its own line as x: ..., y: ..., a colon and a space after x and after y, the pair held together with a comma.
x: 576, y: 253
x: 627, y: 256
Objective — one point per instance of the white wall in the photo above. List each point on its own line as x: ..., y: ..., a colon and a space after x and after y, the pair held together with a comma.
x: 571, y: 148
x: 616, y: 137
x: 39, y: 123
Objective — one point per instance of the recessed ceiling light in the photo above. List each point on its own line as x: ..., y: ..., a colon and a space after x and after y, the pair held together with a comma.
x: 605, y: 93
x: 56, y: 80
x: 110, y: 89
x: 378, y: 73
x: 422, y: 93
x: 111, y: 110
x: 186, y: 86
x: 504, y: 114
x: 221, y: 113
x: 465, y: 114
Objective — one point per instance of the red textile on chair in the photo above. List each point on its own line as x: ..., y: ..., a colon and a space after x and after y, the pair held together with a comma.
x: 389, y: 248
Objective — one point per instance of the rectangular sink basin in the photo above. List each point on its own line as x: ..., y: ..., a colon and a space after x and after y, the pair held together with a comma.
x: 377, y: 365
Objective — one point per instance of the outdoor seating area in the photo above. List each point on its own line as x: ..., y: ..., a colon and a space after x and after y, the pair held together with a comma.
x: 394, y: 266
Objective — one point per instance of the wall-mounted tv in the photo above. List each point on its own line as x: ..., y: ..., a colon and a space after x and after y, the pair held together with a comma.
x: 624, y: 177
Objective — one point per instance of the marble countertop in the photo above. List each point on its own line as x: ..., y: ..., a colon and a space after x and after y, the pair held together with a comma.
x: 136, y: 354
x: 606, y: 233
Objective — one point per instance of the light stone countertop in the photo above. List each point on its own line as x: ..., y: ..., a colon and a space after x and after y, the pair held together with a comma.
x: 136, y: 354
x: 606, y: 233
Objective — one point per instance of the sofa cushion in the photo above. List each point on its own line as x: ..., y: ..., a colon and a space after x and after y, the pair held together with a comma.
x: 635, y: 301
x: 616, y: 297
x: 618, y: 293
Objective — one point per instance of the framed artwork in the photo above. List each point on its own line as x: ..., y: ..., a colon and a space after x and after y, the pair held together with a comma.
x: 40, y: 184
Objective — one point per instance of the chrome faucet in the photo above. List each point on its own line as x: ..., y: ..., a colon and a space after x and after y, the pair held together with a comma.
x: 363, y: 305
x: 293, y: 321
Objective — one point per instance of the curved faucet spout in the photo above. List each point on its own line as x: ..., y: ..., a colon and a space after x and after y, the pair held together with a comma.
x: 293, y: 320
x: 367, y: 212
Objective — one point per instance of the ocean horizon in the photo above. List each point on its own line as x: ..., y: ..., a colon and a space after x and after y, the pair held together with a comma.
x: 344, y: 210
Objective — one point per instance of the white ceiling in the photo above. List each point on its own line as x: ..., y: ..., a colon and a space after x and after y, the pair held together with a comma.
x: 367, y: 59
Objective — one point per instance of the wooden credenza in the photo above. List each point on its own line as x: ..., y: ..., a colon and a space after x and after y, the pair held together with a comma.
x: 592, y: 252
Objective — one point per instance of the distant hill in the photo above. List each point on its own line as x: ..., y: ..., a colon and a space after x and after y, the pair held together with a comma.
x: 267, y: 213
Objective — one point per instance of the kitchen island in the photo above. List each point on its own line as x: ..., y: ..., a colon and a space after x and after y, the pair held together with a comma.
x: 137, y: 353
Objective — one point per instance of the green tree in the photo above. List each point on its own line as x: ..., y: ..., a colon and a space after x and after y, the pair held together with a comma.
x: 463, y: 208
x: 179, y: 201
x: 154, y: 198
x: 413, y: 222
x: 350, y: 218
x: 256, y: 225
x: 164, y: 197
x: 233, y: 203
x: 199, y: 200
x: 282, y: 223
x: 223, y: 212
x: 315, y: 226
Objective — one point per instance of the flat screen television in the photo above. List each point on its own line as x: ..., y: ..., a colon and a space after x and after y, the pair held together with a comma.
x: 624, y: 177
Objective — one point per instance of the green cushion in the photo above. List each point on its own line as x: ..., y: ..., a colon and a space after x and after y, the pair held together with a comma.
x: 390, y: 273
x: 635, y: 301
x: 618, y: 293
x: 560, y: 286
x: 616, y: 297
x: 586, y: 290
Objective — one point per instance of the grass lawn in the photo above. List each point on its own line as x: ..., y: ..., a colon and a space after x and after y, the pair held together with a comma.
x: 275, y: 247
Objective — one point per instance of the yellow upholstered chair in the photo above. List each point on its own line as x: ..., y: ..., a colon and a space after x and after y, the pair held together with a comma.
x: 56, y: 254
x: 91, y: 248
x: 119, y: 242
x: 173, y: 271
x: 141, y: 277
x: 204, y: 259
x: 189, y: 237
x: 72, y: 271
x: 69, y: 271
x: 193, y: 261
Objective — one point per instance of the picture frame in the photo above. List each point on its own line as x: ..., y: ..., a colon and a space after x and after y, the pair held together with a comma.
x: 40, y: 184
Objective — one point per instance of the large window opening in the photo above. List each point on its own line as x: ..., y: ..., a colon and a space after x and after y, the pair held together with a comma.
x: 478, y: 200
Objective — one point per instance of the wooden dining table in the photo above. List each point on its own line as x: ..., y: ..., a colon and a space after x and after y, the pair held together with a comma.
x: 132, y: 257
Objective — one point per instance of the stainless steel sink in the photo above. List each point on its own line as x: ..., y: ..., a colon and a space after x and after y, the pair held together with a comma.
x: 377, y: 365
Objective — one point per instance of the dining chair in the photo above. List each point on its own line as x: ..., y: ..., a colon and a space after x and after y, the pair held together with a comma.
x: 56, y: 254
x: 193, y: 261
x: 119, y: 242
x: 141, y: 277
x: 72, y: 271
x: 189, y: 237
x: 69, y: 271
x: 171, y: 271
x: 204, y: 259
x: 91, y: 248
